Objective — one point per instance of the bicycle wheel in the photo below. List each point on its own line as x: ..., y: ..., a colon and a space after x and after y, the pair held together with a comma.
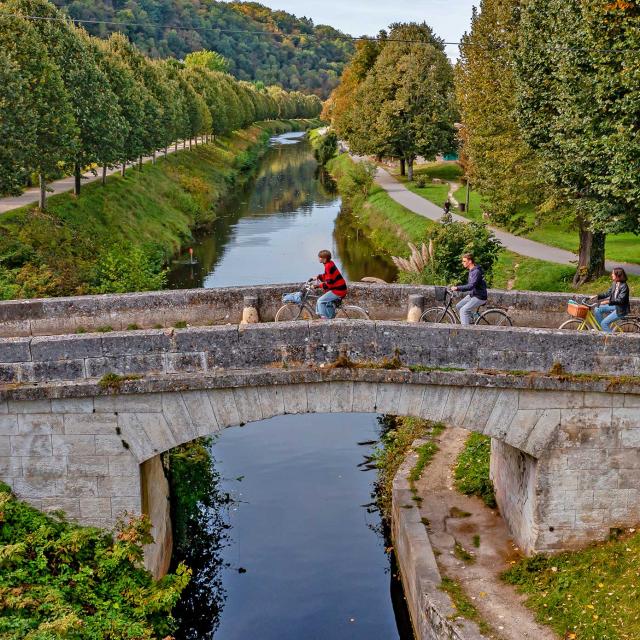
x: 495, y: 318
x: 352, y: 312
x: 438, y: 315
x: 291, y: 311
x: 574, y: 324
x: 626, y: 326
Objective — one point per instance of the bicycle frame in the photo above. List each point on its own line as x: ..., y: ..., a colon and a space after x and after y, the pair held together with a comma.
x: 590, y: 322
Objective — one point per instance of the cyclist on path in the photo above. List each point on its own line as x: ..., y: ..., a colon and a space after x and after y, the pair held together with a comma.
x: 616, y: 300
x: 332, y: 283
x: 477, y: 288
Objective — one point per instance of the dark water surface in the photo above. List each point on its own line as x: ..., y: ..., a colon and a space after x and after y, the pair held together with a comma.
x: 271, y: 230
x: 305, y: 556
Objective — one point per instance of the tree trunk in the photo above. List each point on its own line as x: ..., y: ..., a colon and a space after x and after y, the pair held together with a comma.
x: 403, y: 167
x: 42, y: 203
x: 190, y: 144
x: 166, y: 151
x: 153, y: 157
x: 410, y: 169
x: 184, y: 144
x: 590, y: 254
x: 123, y: 169
x: 76, y: 182
x: 176, y: 145
x: 140, y: 163
x: 104, y: 174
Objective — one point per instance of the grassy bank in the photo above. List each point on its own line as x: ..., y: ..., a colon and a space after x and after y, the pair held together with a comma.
x: 151, y: 211
x: 387, y: 224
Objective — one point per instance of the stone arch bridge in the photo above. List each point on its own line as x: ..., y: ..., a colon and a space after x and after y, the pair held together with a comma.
x: 565, y: 448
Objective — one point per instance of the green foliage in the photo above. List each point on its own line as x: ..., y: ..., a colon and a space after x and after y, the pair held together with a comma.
x: 128, y: 268
x: 59, y: 580
x: 356, y: 182
x: 191, y: 476
x: 404, y: 107
x: 398, y: 434
x: 471, y: 472
x: 209, y: 59
x: 590, y: 593
x: 325, y: 148
x: 449, y: 243
x: 300, y: 56
x: 498, y: 161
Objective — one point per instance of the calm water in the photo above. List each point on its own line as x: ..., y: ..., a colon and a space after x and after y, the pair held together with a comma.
x: 295, y: 549
x: 304, y: 556
x: 272, y: 230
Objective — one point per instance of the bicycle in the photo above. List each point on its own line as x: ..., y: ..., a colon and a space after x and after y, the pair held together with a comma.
x: 449, y: 314
x: 304, y: 307
x: 583, y: 319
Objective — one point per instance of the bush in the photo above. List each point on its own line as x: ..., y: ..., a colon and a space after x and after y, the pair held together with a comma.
x: 325, y: 148
x: 449, y: 242
x: 60, y: 580
x: 123, y: 269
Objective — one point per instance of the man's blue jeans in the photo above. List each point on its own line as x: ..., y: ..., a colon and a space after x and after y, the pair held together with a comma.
x: 466, y: 308
x: 611, y: 313
x: 325, y: 307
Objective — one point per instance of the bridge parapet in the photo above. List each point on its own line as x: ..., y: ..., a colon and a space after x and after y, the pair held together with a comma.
x: 210, y: 349
x: 55, y: 316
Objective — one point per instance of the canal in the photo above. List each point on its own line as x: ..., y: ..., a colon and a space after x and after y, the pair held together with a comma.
x: 293, y: 546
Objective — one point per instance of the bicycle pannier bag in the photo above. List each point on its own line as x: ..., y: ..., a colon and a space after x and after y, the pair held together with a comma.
x: 440, y: 293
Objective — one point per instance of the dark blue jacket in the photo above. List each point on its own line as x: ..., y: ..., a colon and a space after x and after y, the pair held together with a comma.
x: 476, y: 284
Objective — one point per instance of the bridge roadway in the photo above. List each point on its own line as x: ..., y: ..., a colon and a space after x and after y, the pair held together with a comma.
x: 565, y: 449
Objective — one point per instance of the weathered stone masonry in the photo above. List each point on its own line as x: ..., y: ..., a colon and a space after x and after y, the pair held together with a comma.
x: 568, y: 449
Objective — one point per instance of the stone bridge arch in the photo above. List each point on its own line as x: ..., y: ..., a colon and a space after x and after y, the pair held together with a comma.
x: 564, y: 453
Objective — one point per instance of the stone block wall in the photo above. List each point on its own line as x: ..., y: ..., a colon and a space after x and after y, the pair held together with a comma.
x: 54, y: 316
x: 208, y: 350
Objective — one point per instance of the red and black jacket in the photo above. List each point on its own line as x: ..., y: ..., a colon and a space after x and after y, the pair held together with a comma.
x: 332, y: 280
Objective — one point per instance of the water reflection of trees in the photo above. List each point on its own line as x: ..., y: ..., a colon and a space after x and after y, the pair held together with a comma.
x: 358, y: 256
x: 201, y: 534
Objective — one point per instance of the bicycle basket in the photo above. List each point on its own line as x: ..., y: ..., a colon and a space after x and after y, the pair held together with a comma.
x: 441, y: 294
x: 577, y: 310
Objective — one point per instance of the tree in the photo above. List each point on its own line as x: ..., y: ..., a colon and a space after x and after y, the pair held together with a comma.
x: 405, y: 106
x: 209, y: 59
x: 95, y: 106
x: 498, y: 161
x: 36, y: 119
x: 579, y: 111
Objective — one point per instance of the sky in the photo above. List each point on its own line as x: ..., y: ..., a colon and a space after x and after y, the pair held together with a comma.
x: 448, y: 18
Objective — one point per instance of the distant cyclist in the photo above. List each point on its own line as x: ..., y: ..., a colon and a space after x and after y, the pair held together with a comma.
x: 477, y: 288
x: 615, y: 301
x: 332, y: 283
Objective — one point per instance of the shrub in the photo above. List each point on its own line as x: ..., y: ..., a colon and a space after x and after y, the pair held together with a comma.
x: 60, y: 580
x: 123, y: 269
x: 356, y: 183
x: 325, y: 148
x: 447, y: 243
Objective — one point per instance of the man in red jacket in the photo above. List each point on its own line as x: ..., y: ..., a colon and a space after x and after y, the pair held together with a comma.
x: 333, y: 283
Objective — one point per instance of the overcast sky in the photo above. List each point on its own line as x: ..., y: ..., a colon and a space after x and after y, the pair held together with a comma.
x: 448, y: 18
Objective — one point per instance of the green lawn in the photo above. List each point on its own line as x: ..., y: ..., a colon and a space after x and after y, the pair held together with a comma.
x: 585, y: 595
x: 624, y: 246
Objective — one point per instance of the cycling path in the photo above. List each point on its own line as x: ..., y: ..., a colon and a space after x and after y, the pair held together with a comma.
x: 522, y: 246
x: 31, y: 196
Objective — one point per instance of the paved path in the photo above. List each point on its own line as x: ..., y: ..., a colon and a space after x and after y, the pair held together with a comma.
x: 31, y: 196
x: 517, y: 244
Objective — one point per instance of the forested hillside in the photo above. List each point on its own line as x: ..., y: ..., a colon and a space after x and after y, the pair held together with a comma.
x: 298, y: 56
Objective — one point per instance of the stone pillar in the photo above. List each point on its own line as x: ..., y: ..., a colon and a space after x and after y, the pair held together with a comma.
x: 250, y: 313
x: 416, y: 308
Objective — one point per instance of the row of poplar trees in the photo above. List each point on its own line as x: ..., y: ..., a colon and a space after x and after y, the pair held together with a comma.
x: 70, y: 101
x: 549, y: 95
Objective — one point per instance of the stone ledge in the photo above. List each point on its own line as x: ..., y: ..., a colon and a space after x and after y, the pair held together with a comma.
x: 629, y: 392
x: 432, y: 612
